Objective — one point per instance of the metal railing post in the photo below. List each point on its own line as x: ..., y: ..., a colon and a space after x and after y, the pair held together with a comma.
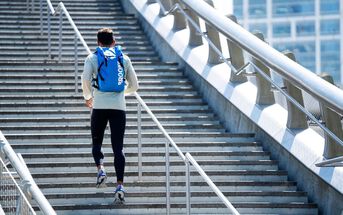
x: 22, y: 204
x: 264, y: 94
x: 76, y: 75
x: 139, y: 133
x: 236, y: 58
x: 49, y: 34
x: 32, y: 5
x: 195, y: 39
x: 60, y: 36
x: 41, y: 16
x: 165, y: 5
x: 188, y: 187
x: 296, y: 118
x: 213, y: 35
x: 167, y: 179
x: 179, y: 19
x: 333, y: 123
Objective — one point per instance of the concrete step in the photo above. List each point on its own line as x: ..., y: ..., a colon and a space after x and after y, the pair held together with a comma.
x: 50, y: 129
x: 221, y: 175
x: 44, y: 155
x: 156, y: 164
x: 157, y: 186
x: 55, y: 22
x: 70, y: 135
x: 208, y: 208
x: 179, y: 197
x: 35, y: 16
x: 86, y: 118
x: 73, y: 96
x: 70, y: 48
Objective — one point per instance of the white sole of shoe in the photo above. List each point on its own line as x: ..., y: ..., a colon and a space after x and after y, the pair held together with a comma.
x: 119, y: 197
x: 101, y: 182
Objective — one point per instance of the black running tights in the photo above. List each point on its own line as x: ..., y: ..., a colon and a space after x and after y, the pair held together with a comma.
x: 117, y: 120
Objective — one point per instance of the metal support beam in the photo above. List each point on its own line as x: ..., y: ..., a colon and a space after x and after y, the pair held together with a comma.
x: 195, y: 39
x: 236, y: 58
x: 213, y: 35
x: 296, y: 118
x: 264, y: 94
x: 333, y: 123
x: 179, y: 19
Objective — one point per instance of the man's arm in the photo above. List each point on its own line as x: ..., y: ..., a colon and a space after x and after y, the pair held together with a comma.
x: 131, y: 76
x: 86, y: 80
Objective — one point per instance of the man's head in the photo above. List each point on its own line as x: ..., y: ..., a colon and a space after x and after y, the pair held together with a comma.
x: 105, y: 37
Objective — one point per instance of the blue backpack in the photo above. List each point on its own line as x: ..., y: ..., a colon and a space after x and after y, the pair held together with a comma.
x: 111, y: 73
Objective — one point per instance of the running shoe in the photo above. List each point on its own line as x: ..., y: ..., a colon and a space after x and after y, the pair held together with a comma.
x: 119, y: 194
x: 101, y: 178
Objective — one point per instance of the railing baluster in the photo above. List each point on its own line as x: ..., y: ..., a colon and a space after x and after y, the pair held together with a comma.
x: 165, y: 5
x: 188, y: 187
x: 167, y: 179
x: 195, y: 39
x: 76, y: 76
x: 264, y: 94
x: 41, y: 16
x: 296, y: 118
x: 60, y: 36
x: 139, y: 133
x: 213, y: 35
x: 333, y: 122
x: 236, y: 58
x: 179, y: 19
x: 32, y: 5
x: 49, y: 34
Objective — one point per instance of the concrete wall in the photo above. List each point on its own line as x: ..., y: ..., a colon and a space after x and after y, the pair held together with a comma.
x: 296, y: 151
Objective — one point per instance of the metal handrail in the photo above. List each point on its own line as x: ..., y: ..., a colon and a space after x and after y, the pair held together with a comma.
x: 226, y: 30
x: 297, y: 74
x: 25, y: 174
x: 22, y: 195
x: 228, y: 204
x: 159, y: 125
x: 61, y: 8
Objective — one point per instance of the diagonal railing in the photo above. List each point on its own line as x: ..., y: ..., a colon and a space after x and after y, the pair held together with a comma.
x: 29, y: 184
x: 298, y: 75
x: 13, y: 197
x: 169, y: 141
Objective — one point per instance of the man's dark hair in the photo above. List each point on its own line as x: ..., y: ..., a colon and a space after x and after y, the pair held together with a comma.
x: 105, y: 36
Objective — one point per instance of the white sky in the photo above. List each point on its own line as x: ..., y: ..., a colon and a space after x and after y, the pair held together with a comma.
x: 223, y: 6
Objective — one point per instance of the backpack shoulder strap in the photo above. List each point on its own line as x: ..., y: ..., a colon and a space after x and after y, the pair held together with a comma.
x: 119, y: 53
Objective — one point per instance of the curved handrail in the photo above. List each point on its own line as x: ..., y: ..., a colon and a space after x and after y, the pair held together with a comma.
x: 25, y: 174
x: 206, y: 9
x: 286, y: 67
x: 62, y: 8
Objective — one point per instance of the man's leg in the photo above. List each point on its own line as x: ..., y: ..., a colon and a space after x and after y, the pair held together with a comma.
x: 98, y: 125
x: 117, y: 121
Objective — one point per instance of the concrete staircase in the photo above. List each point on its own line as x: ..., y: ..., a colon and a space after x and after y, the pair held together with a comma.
x: 47, y: 122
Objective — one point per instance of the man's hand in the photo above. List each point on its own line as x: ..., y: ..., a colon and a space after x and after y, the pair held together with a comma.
x: 89, y: 103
